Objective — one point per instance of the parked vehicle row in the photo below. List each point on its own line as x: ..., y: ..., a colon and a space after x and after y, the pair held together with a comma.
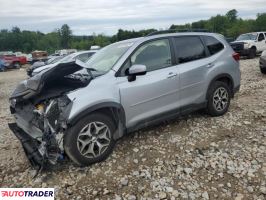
x: 80, y: 110
x: 12, y: 61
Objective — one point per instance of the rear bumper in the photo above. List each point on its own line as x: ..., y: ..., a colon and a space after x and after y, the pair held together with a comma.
x: 29, y: 144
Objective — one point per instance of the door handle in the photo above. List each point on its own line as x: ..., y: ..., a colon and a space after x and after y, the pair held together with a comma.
x: 171, y: 75
x: 210, y: 65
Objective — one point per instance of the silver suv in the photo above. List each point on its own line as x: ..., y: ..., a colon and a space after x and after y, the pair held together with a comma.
x: 78, y: 110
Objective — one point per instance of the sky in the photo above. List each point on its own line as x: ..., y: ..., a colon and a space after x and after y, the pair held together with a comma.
x: 86, y: 17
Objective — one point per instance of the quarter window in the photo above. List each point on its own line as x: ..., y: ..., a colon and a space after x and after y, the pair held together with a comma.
x: 189, y: 48
x: 213, y: 45
x: 154, y: 55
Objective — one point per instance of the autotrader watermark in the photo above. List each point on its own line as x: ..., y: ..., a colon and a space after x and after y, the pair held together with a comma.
x: 26, y: 193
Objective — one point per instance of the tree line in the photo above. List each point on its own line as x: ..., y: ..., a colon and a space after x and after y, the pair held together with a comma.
x: 230, y: 25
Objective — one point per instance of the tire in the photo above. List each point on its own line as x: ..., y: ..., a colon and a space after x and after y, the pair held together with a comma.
x: 79, y: 134
x: 3, y: 69
x: 263, y: 70
x: 252, y: 53
x: 217, y: 101
x: 16, y: 65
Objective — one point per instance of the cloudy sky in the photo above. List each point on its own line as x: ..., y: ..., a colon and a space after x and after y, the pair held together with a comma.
x: 107, y: 16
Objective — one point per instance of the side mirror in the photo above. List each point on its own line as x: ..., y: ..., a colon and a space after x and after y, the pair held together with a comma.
x: 136, y: 70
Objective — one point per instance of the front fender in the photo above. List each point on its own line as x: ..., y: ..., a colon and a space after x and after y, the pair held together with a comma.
x: 87, y: 111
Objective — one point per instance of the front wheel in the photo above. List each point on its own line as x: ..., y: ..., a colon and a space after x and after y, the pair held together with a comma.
x: 218, y: 99
x: 90, y: 140
x: 252, y: 53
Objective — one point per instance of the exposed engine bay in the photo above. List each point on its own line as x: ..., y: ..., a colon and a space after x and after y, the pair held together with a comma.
x: 40, y: 107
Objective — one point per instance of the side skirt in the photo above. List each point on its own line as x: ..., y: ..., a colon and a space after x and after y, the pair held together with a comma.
x: 166, y: 116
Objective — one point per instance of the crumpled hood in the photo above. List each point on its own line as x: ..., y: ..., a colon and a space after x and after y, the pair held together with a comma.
x: 34, y: 85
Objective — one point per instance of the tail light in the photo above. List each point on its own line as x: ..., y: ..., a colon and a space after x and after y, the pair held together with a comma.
x: 236, y: 56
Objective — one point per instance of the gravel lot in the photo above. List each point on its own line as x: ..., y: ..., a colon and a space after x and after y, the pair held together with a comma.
x: 198, y: 157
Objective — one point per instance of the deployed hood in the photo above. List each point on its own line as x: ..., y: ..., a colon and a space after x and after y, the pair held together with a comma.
x: 54, y: 81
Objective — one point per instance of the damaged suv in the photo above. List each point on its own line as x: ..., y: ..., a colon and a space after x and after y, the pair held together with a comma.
x: 79, y: 110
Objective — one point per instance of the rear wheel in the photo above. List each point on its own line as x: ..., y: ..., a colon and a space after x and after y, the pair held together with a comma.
x: 90, y: 140
x: 218, y: 99
x: 2, y: 69
x: 16, y: 65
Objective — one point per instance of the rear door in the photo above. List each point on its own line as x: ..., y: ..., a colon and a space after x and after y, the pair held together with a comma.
x: 194, y: 62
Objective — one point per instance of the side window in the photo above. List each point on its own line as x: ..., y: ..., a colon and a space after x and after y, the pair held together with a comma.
x: 154, y: 55
x: 213, y: 45
x: 261, y: 37
x: 189, y: 48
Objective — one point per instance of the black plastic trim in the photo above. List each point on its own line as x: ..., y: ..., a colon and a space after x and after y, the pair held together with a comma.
x: 97, y: 107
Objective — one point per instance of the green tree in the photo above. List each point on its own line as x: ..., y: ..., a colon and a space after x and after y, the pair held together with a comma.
x: 232, y: 15
x: 260, y: 23
x: 218, y: 24
x: 65, y: 36
x: 202, y: 24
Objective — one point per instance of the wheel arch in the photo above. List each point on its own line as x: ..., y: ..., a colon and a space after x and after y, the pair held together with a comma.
x: 112, y: 109
x: 253, y: 47
x: 226, y: 78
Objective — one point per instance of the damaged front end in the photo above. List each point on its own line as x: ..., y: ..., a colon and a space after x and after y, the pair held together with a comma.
x: 41, y: 108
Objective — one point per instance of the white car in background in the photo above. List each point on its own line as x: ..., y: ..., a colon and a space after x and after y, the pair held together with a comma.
x: 81, y: 55
x: 250, y: 44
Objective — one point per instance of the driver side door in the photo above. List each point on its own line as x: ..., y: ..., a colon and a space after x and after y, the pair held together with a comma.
x: 149, y: 96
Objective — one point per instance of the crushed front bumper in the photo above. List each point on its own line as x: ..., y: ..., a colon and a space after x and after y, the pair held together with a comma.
x: 29, y: 144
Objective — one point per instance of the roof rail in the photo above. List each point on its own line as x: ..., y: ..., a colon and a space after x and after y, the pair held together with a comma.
x: 177, y: 31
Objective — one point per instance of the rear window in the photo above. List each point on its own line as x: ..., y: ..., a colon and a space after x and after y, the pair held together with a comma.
x: 213, y: 45
x: 189, y: 48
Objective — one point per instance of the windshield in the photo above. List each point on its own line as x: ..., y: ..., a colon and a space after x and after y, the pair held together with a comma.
x: 106, y: 58
x: 54, y: 60
x: 67, y: 58
x: 248, y: 36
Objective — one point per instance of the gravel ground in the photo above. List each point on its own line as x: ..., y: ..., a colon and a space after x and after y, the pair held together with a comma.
x: 198, y: 157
